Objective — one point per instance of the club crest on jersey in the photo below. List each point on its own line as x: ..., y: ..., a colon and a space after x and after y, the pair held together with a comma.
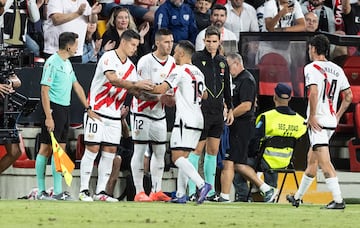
x: 203, y: 63
x: 186, y: 17
x: 354, y: 75
x: 162, y: 75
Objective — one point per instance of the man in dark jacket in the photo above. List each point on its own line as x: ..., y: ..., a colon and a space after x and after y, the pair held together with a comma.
x: 217, y: 81
x: 178, y: 17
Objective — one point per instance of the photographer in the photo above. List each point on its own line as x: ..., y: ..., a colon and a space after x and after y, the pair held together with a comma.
x: 12, y: 146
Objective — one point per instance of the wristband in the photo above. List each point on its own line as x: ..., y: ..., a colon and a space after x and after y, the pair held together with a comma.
x: 88, y: 108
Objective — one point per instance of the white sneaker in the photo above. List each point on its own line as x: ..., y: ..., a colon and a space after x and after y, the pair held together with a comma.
x: 102, y: 196
x: 85, y: 196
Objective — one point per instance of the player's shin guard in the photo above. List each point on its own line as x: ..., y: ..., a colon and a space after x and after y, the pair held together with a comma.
x: 137, y: 166
x: 157, y: 166
x: 104, y: 170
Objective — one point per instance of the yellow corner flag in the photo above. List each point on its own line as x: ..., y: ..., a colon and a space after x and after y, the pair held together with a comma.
x: 62, y: 161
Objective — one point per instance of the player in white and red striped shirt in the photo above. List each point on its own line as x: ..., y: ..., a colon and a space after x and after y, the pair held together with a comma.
x: 114, y: 77
x: 148, y: 120
x: 325, y: 81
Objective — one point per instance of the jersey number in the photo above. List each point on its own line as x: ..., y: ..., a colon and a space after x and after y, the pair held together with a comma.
x: 138, y: 124
x: 198, y: 88
x: 329, y: 90
x: 93, y: 127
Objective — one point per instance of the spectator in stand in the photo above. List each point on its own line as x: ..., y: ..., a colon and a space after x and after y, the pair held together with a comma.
x: 241, y: 17
x: 179, y: 18
x: 325, y: 14
x: 283, y: 16
x: 16, y: 16
x: 92, y: 44
x: 311, y: 22
x: 120, y: 21
x: 69, y: 16
x: 35, y: 35
x: 260, y: 16
x: 140, y: 13
x: 218, y: 17
x: 202, y: 13
x: 351, y: 15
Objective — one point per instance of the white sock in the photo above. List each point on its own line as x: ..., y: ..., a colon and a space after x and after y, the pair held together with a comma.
x: 333, y: 185
x: 86, y: 167
x: 304, y: 186
x: 189, y: 170
x: 137, y: 166
x: 182, y: 180
x: 264, y: 187
x: 225, y: 196
x: 104, y: 170
x: 157, y: 167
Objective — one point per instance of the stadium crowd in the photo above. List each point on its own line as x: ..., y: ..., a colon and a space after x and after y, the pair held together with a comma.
x: 151, y: 55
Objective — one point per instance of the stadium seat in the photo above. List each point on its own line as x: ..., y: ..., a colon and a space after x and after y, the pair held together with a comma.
x: 354, y: 143
x: 352, y: 71
x: 278, y: 142
x: 23, y: 161
x: 273, y: 68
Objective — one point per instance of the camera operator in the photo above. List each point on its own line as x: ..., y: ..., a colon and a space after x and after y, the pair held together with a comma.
x: 12, y: 147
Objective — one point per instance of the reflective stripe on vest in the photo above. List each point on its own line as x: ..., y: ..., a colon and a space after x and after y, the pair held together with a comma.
x: 278, y: 124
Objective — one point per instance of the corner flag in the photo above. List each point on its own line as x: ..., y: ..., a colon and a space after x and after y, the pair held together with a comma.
x: 62, y: 161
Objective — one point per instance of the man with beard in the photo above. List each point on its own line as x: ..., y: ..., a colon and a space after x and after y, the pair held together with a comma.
x: 218, y: 17
x: 324, y: 13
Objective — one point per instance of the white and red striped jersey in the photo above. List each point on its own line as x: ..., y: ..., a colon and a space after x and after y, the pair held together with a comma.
x: 190, y: 83
x: 150, y: 67
x: 103, y: 97
x: 330, y: 80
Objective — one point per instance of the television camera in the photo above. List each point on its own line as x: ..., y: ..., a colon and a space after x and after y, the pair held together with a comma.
x: 13, y: 105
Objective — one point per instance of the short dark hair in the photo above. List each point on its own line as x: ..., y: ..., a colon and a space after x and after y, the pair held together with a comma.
x: 67, y: 38
x: 218, y: 7
x: 129, y: 34
x: 162, y: 32
x: 187, y: 46
x: 321, y: 44
x: 212, y: 30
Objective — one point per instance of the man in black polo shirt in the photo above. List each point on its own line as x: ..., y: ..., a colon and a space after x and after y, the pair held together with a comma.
x: 241, y: 131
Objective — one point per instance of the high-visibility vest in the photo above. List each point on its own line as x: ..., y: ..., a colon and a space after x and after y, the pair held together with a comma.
x: 278, y: 124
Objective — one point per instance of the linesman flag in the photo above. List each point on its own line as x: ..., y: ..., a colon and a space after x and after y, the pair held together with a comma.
x: 62, y: 161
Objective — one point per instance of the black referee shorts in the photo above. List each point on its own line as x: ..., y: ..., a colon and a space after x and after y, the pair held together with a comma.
x: 61, y: 116
x: 213, y: 125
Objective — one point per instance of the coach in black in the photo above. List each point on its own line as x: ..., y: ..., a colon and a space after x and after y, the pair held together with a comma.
x: 241, y: 131
x: 217, y: 80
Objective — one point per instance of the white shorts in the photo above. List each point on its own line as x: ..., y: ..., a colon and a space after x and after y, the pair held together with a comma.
x: 320, y: 138
x: 148, y: 130
x: 106, y: 131
x: 184, y: 137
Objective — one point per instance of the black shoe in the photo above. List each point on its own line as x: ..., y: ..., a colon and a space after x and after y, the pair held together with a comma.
x: 222, y: 200
x: 334, y: 205
x: 213, y: 198
x: 193, y: 197
x: 293, y: 201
